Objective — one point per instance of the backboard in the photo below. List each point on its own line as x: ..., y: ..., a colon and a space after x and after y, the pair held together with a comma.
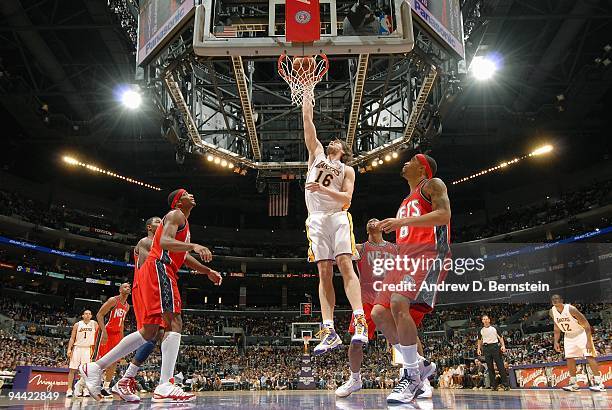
x: 256, y: 28
x: 298, y: 330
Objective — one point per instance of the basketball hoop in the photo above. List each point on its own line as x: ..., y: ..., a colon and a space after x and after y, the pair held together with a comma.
x: 302, y: 74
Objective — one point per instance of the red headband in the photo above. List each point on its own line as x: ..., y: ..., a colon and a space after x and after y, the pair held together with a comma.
x: 176, y: 198
x: 421, y: 158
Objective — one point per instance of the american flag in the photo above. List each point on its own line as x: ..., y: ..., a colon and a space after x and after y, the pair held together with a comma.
x: 278, y: 199
x: 225, y: 32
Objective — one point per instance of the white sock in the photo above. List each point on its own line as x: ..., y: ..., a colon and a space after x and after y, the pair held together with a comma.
x: 328, y: 323
x: 597, y: 379
x: 106, y: 385
x: 356, y: 376
x: 131, y: 371
x: 358, y: 312
x: 126, y: 346
x: 169, y: 351
x: 572, y: 380
x: 409, y: 353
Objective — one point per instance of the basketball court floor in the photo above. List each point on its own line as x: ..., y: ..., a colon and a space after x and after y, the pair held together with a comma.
x: 365, y: 400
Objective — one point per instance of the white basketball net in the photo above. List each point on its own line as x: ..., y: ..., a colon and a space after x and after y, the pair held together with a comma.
x: 303, y: 77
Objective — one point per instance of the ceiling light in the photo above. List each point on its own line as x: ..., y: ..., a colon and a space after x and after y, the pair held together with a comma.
x: 131, y: 99
x: 483, y: 68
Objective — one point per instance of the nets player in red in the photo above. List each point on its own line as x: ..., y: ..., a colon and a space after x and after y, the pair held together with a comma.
x: 158, y: 297
x: 374, y: 250
x: 126, y: 387
x: 111, y: 333
x: 423, y: 234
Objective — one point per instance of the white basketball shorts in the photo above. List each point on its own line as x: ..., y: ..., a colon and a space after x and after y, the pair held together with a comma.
x: 80, y: 355
x: 330, y: 235
x: 576, y: 346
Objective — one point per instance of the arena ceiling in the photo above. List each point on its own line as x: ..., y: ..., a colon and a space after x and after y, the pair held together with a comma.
x: 61, y: 63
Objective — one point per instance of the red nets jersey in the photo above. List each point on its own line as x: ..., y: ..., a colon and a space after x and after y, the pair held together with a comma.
x: 117, y: 316
x: 417, y: 204
x: 171, y: 260
x: 366, y: 268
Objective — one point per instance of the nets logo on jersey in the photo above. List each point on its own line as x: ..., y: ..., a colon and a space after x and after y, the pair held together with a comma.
x: 119, y: 313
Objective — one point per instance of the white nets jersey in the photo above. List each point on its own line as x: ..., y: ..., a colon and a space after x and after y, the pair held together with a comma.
x: 86, y: 334
x: 566, y: 322
x: 329, y: 174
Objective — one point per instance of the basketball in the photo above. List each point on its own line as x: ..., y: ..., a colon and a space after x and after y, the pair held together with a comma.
x: 304, y: 64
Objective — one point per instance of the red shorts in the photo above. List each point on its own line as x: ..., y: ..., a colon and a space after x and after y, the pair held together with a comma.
x: 367, y: 310
x: 154, y: 293
x: 113, y: 340
x: 421, y: 302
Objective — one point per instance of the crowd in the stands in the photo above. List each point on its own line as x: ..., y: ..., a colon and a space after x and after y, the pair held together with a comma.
x: 569, y: 204
x: 233, y: 364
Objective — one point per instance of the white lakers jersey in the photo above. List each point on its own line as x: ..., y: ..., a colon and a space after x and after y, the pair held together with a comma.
x: 566, y: 322
x: 330, y: 174
x: 86, y: 333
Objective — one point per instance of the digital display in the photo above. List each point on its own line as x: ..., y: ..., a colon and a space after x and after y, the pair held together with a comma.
x: 158, y: 19
x: 443, y: 19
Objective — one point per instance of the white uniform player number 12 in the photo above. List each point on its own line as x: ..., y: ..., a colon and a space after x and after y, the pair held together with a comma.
x: 409, y: 210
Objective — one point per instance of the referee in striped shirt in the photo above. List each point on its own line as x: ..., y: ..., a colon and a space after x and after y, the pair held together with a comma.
x: 492, y: 344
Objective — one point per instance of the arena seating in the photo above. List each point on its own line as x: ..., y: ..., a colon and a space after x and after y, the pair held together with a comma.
x: 231, y: 365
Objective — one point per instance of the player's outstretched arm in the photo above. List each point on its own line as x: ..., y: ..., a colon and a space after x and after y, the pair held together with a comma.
x: 310, y: 132
x: 194, y: 264
x: 167, y: 241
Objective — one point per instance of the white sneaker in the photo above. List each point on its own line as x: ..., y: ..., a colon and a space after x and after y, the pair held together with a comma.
x: 598, y: 387
x: 349, y: 387
x: 408, y: 387
x: 78, y: 388
x: 85, y: 392
x: 427, y: 390
x: 169, y: 393
x: 69, y: 394
x: 91, y: 373
x: 572, y: 387
x: 126, y: 388
x: 426, y: 368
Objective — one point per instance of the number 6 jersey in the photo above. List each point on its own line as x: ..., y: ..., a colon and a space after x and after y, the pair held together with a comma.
x: 330, y: 174
x: 417, y: 204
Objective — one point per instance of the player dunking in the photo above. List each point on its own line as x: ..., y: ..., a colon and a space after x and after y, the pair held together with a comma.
x: 80, y: 348
x: 376, y: 248
x: 159, y: 299
x: 112, y: 332
x: 422, y: 222
x: 126, y: 387
x: 577, y: 341
x: 329, y: 228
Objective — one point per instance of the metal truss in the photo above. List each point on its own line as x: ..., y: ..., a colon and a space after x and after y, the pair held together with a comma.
x: 245, y: 115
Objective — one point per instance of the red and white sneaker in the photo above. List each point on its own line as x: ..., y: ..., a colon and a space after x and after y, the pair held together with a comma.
x: 126, y: 388
x: 91, y: 374
x: 169, y: 393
